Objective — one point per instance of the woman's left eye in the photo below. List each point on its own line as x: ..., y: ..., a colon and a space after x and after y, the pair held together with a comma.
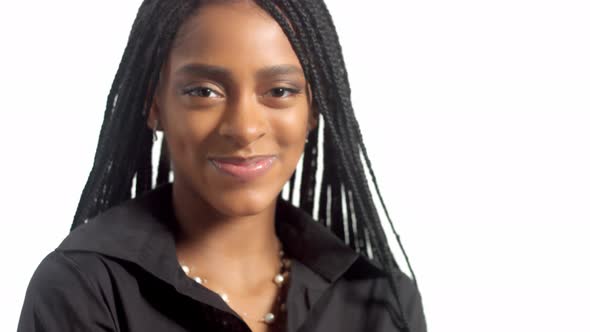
x: 283, y: 92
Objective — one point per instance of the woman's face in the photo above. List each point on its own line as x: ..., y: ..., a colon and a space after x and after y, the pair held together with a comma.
x: 234, y: 106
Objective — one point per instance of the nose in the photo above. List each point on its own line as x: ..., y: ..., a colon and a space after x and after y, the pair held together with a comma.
x: 243, y: 121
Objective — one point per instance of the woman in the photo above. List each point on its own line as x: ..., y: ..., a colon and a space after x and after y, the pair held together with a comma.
x: 237, y: 89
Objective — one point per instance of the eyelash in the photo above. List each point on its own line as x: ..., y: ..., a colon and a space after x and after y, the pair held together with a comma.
x: 190, y: 91
x: 292, y: 91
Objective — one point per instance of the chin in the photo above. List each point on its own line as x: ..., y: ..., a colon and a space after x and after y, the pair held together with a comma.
x: 243, y: 203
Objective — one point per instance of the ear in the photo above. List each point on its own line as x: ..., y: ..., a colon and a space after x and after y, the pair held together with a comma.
x: 313, y: 119
x: 313, y: 112
x: 153, y: 119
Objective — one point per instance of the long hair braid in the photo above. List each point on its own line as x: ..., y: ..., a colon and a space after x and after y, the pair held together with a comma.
x: 314, y: 30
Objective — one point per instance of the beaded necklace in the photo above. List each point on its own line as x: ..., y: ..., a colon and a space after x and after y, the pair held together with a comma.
x: 279, y: 280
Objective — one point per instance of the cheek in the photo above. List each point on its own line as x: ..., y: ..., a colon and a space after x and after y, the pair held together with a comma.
x: 290, y: 129
x: 187, y: 134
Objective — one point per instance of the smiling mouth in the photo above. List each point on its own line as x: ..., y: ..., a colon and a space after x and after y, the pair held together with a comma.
x: 243, y: 168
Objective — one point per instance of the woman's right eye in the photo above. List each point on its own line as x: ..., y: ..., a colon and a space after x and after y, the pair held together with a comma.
x: 201, y: 91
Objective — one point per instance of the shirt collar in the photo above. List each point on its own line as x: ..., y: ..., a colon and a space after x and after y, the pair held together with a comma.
x: 140, y: 231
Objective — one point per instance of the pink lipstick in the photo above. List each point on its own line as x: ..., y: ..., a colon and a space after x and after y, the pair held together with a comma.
x: 244, y: 169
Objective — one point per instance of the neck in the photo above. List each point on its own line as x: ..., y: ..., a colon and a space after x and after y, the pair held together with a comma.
x: 217, y: 242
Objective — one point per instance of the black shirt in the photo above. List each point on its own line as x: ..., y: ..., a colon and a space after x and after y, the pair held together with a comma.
x: 119, y: 272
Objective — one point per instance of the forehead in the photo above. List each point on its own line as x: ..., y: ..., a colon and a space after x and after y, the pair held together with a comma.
x: 232, y: 33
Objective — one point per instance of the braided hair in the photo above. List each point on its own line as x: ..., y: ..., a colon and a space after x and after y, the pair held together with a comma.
x: 123, y: 159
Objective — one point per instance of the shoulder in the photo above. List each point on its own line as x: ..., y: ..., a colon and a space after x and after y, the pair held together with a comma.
x: 64, y: 294
x: 395, y: 290
x: 68, y: 268
x: 67, y: 275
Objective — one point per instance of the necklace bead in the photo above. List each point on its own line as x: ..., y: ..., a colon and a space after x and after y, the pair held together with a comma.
x: 269, y: 318
x: 279, y: 279
x: 186, y: 269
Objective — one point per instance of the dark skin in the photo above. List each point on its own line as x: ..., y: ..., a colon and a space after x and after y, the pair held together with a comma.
x: 256, y: 102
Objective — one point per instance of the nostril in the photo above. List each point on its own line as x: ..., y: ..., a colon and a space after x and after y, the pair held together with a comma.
x: 241, y: 135
x: 242, y: 132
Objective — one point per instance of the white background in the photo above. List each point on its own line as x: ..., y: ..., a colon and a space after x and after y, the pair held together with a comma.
x: 476, y: 115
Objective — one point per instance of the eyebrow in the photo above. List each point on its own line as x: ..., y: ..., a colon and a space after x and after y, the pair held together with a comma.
x: 221, y: 73
x: 278, y: 70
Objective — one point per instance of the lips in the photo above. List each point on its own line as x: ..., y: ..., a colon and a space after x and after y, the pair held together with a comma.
x: 244, y: 169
